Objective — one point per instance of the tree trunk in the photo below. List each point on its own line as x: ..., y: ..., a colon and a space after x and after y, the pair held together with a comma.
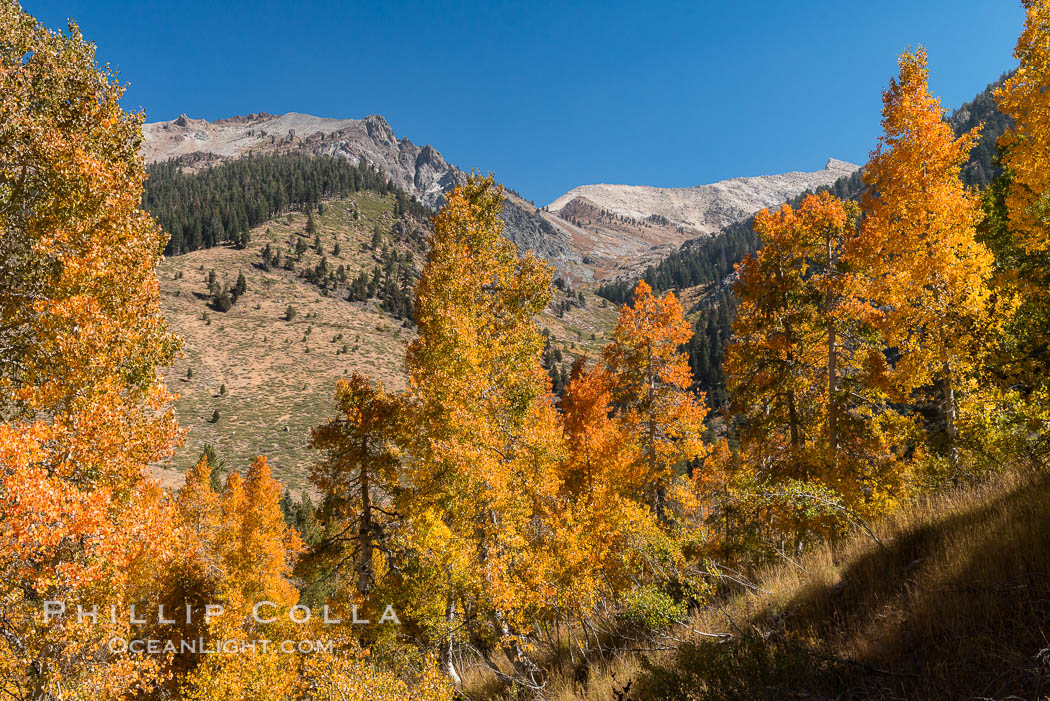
x: 951, y: 419
x: 796, y: 439
x: 659, y: 494
x: 526, y: 671
x: 365, y: 566
x: 445, y: 652
x: 833, y: 380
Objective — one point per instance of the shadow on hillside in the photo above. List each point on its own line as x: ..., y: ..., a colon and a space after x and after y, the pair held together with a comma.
x: 952, y: 607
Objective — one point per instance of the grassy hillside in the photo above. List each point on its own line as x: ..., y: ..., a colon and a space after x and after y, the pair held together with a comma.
x: 280, y: 374
x: 948, y: 599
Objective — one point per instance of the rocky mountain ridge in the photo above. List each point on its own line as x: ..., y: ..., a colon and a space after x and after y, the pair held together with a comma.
x: 419, y: 170
x: 704, y: 208
x: 587, y: 232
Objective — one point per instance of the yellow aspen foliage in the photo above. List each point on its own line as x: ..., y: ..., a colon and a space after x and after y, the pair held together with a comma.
x: 198, y: 504
x: 485, y: 436
x: 1025, y: 96
x: 81, y: 331
x: 716, y: 491
x: 260, y: 548
x: 1017, y: 227
x: 917, y: 245
x: 193, y: 582
x: 82, y: 412
x: 353, y: 676
x: 253, y: 553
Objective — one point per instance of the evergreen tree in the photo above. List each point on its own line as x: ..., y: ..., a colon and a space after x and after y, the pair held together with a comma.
x: 215, y: 467
x: 239, y: 288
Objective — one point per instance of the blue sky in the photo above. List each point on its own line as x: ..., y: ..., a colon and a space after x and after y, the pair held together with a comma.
x: 550, y: 95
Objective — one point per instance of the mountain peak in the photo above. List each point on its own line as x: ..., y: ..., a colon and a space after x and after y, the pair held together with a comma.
x: 839, y: 165
x: 379, y: 129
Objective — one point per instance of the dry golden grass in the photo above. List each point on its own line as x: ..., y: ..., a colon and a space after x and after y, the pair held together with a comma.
x: 582, y: 331
x: 952, y: 602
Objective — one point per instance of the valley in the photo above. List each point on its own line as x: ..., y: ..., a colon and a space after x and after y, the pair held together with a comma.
x: 251, y: 380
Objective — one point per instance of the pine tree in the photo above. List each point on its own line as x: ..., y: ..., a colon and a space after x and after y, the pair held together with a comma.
x: 358, y: 477
x: 216, y: 467
x: 222, y: 300
x: 239, y: 288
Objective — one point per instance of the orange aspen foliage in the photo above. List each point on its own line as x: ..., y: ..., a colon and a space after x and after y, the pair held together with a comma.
x: 1026, y: 145
x: 81, y: 409
x: 643, y: 535
x: 612, y: 546
x: 253, y: 552
x: 917, y: 245
x: 193, y: 582
x: 650, y: 383
x: 600, y: 481
x: 602, y: 456
x: 257, y: 546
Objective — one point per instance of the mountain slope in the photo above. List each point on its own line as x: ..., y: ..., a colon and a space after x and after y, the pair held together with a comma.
x: 271, y: 375
x: 606, y: 224
x: 418, y: 170
x: 981, y: 111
